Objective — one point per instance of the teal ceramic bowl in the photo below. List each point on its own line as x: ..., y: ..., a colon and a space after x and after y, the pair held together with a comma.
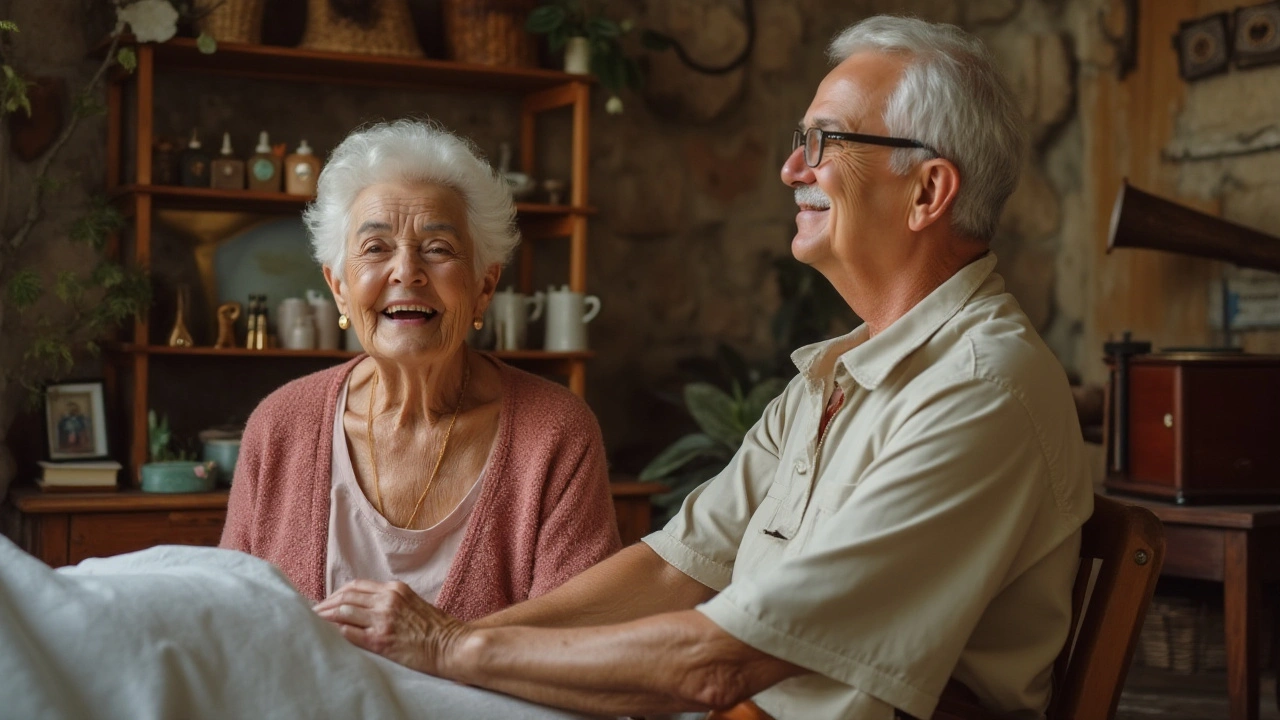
x: 224, y: 452
x: 178, y: 477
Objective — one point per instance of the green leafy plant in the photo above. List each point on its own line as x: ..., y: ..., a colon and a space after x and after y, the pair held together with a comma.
x: 88, y: 303
x: 561, y: 20
x: 160, y: 441
x: 809, y: 309
x: 723, y: 419
x: 49, y: 317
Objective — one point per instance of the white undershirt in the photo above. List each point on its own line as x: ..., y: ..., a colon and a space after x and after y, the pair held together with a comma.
x: 363, y: 545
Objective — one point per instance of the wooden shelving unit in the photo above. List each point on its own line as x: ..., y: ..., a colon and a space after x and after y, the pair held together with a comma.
x: 540, y: 91
x: 191, y: 198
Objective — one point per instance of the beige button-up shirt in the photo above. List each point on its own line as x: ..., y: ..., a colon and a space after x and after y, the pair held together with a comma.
x: 934, y: 531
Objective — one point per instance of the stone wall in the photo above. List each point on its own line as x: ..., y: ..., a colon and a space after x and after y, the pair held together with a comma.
x: 691, y: 210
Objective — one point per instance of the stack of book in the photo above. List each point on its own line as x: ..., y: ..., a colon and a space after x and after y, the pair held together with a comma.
x: 79, y: 476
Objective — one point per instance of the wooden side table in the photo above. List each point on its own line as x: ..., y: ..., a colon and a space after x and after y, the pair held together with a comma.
x: 1235, y: 545
x: 65, y: 528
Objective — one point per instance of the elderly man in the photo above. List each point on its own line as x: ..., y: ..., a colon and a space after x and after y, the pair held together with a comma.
x: 904, y: 517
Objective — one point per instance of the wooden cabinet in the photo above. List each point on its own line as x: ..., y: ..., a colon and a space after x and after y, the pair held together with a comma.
x: 132, y: 105
x: 65, y: 528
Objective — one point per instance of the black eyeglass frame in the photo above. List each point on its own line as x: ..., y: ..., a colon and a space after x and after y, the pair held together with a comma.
x: 799, y: 140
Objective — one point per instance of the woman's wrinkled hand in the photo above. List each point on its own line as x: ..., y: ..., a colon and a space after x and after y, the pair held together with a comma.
x: 391, y: 620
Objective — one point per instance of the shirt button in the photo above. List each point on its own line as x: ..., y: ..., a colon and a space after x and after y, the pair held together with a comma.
x: 802, y: 466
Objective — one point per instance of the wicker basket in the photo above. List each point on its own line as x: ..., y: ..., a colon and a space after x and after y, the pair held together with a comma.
x: 489, y: 32
x: 1187, y: 636
x: 233, y: 21
x: 390, y: 33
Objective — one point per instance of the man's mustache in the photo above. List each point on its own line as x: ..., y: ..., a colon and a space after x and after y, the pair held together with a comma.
x: 812, y: 196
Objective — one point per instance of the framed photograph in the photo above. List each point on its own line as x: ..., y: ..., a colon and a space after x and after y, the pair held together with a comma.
x: 76, y: 421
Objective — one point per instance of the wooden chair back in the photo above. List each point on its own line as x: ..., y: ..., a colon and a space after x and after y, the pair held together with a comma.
x: 1090, y: 671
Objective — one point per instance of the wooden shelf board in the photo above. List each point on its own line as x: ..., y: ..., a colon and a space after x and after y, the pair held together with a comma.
x: 179, y: 197
x: 30, y: 500
x: 516, y: 355
x: 329, y: 68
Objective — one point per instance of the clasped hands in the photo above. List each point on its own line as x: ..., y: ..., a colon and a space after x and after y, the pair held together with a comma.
x: 391, y: 620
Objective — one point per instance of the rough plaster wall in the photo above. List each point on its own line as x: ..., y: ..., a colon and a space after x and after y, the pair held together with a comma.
x: 686, y: 181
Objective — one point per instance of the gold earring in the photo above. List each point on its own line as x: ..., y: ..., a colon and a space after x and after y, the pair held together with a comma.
x: 343, y: 322
x: 478, y: 324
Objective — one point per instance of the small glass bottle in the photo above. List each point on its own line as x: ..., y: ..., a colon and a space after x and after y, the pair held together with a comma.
x: 228, y: 170
x: 302, y: 169
x: 251, y: 337
x: 164, y: 162
x: 264, y: 167
x: 262, y: 342
x: 195, y: 163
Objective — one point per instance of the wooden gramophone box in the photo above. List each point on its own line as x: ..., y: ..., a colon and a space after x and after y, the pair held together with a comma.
x: 1196, y: 427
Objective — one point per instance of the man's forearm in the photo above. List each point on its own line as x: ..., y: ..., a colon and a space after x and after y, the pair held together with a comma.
x: 633, y: 584
x: 673, y: 662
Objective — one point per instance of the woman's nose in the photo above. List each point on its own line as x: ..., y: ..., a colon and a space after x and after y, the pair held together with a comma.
x: 795, y: 171
x: 408, y: 267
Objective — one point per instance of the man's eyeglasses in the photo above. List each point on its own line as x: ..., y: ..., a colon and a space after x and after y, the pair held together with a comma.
x: 814, y: 141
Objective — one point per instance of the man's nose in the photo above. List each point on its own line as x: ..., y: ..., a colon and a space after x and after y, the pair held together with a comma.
x: 795, y: 171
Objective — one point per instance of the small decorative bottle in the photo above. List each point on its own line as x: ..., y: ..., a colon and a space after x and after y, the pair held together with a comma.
x: 195, y: 163
x: 228, y: 170
x: 262, y: 342
x: 251, y: 337
x: 264, y: 167
x: 302, y: 168
x: 164, y: 162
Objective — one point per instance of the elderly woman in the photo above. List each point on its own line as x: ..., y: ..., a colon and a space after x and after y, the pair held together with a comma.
x: 423, y: 462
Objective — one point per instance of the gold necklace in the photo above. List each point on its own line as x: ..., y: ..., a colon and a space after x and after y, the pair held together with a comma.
x: 373, y: 453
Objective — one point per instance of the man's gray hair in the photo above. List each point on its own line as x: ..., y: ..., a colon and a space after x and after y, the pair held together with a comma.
x: 953, y: 99
x: 411, y: 151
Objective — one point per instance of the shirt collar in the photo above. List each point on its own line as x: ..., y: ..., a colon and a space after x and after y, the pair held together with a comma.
x: 870, y: 359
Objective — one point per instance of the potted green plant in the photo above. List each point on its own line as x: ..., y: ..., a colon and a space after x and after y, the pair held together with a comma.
x: 593, y: 43
x: 171, y: 471
x: 723, y: 419
x: 725, y: 409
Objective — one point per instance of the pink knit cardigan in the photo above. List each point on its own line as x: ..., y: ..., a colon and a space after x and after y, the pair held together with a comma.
x: 544, y: 513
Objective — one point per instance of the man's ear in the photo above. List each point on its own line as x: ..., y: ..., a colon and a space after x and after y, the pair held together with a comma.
x: 337, y: 288
x: 939, y: 183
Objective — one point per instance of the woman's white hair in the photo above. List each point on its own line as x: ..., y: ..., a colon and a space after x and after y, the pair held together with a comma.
x: 953, y: 99
x: 414, y: 151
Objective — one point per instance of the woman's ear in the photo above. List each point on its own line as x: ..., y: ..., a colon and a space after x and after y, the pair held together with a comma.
x: 488, y: 286
x: 939, y: 182
x: 338, y: 288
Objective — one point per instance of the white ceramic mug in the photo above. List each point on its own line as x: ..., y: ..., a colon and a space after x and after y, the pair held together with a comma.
x: 301, y: 335
x: 567, y: 318
x: 288, y: 312
x: 326, y: 316
x: 512, y: 312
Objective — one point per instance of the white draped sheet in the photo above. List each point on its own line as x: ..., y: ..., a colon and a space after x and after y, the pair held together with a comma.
x: 196, y: 633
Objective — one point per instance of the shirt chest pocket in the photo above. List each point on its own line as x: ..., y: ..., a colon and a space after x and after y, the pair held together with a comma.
x: 840, y: 477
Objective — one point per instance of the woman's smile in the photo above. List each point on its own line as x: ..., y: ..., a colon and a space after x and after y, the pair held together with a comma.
x: 410, y: 314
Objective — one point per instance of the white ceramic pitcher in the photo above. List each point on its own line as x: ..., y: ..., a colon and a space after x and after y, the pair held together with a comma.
x: 512, y: 312
x: 567, y: 318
